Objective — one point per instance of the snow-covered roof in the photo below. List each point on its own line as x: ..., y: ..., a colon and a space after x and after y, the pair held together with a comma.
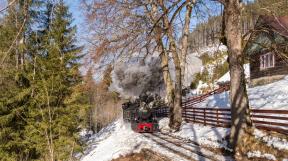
x: 226, y: 77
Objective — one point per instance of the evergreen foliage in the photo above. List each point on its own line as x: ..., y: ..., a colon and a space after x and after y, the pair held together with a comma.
x: 42, y: 99
x: 14, y: 84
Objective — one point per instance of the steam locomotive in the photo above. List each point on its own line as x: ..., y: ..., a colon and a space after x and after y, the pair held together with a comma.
x: 144, y: 113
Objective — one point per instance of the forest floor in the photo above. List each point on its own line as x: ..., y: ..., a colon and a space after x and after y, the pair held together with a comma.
x: 143, y: 155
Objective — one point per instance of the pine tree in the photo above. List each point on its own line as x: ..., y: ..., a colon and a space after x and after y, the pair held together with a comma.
x: 14, y: 84
x: 56, y: 83
x: 42, y: 99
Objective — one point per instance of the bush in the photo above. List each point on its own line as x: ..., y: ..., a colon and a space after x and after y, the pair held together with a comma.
x: 194, y: 85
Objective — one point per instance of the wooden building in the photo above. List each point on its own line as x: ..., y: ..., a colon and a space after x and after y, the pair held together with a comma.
x: 267, y: 49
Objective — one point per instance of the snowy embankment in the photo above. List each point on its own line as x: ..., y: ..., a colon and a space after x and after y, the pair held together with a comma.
x: 118, y: 139
x: 226, y: 77
x: 203, y: 135
x: 270, y: 96
x: 278, y: 143
x: 111, y: 142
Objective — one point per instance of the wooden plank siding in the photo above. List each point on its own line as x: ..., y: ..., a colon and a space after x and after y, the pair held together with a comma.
x: 269, y: 35
x: 280, y: 68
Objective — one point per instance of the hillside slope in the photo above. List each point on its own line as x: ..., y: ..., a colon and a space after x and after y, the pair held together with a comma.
x: 270, y: 96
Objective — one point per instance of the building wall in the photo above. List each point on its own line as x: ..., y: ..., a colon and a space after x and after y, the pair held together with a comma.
x: 280, y: 69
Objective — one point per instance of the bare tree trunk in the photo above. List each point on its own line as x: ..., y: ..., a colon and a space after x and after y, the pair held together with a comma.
x: 184, y: 42
x: 50, y: 135
x: 176, y: 111
x: 163, y: 56
x: 167, y: 79
x: 240, y: 112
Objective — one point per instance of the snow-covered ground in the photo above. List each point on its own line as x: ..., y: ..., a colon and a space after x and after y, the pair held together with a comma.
x: 270, y: 96
x: 118, y: 139
x: 226, y: 77
x: 211, y: 49
x: 281, y: 144
x: 258, y: 154
x: 203, y: 135
x: 111, y: 142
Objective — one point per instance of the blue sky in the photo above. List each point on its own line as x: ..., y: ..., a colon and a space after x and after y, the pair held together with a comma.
x: 77, y: 12
x: 74, y: 7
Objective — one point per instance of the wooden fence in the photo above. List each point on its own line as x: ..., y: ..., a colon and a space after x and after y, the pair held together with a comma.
x: 272, y: 120
x: 195, y: 100
x: 266, y: 119
x: 161, y: 111
x: 208, y: 116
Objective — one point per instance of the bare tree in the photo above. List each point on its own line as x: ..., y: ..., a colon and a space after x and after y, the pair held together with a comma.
x: 185, y: 34
x: 145, y: 26
x: 6, y: 7
x: 240, y: 111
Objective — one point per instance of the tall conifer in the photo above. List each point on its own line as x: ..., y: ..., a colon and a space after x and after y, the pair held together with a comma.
x: 54, y: 112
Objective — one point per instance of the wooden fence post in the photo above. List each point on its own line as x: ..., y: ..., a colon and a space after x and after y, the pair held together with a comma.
x: 204, y: 117
x: 185, y: 114
x: 217, y: 117
x: 194, y: 114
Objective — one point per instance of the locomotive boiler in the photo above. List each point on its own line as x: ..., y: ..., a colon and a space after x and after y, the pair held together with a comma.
x: 143, y: 113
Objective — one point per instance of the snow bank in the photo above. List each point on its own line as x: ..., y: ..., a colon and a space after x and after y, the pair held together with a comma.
x: 118, y: 139
x: 203, y: 135
x: 226, y: 77
x: 258, y: 154
x: 270, y: 96
x: 115, y: 140
x: 275, y: 142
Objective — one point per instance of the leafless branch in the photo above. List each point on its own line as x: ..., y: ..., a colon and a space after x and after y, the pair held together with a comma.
x: 5, y: 8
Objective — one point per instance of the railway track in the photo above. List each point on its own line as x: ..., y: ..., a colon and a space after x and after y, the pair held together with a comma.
x: 186, y: 149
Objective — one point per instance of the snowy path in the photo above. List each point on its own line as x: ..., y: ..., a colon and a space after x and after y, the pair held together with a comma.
x: 118, y: 140
x: 187, y: 150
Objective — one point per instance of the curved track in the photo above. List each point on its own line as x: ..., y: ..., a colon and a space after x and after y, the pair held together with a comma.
x: 188, y: 150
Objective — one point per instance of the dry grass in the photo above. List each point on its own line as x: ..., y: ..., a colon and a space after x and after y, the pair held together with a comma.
x: 105, y: 106
x: 250, y: 143
x: 106, y: 113
x: 144, y: 155
x: 265, y: 80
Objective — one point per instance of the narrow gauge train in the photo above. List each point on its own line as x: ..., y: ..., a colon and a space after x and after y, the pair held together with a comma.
x: 143, y: 113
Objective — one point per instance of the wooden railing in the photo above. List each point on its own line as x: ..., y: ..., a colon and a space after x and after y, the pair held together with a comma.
x: 208, y: 116
x: 266, y: 119
x: 272, y: 120
x: 195, y: 100
x: 162, y: 111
